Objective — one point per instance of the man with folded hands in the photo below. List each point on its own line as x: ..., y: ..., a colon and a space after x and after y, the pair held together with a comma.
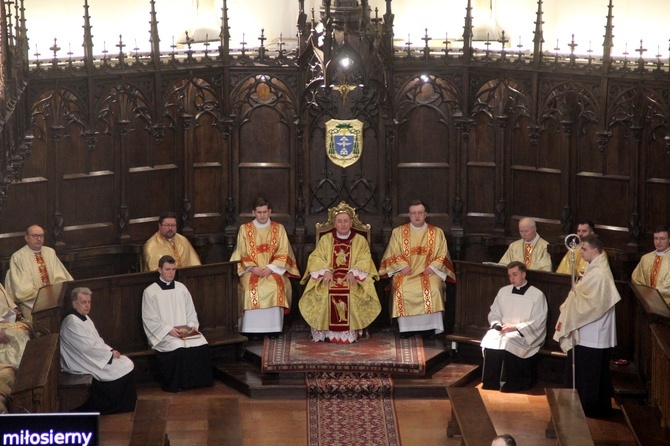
x: 167, y: 306
x: 518, y: 321
x: 83, y: 351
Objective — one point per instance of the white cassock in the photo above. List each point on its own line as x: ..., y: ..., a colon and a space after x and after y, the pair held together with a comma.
x: 83, y: 351
x: 165, y: 307
x: 528, y: 312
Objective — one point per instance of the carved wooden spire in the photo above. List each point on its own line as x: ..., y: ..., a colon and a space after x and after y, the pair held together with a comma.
x: 538, y: 40
x: 608, y: 43
x: 467, y: 32
x: 88, y: 37
x: 155, y: 40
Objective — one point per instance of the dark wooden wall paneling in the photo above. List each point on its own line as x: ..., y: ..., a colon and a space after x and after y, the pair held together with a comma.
x: 484, y: 137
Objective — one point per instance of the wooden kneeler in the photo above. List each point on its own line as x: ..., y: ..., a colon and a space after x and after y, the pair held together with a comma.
x: 568, y: 423
x: 149, y: 423
x: 469, y: 417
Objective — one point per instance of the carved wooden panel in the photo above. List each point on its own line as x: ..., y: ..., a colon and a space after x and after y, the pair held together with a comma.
x: 265, y: 111
x: 480, y: 170
x: 426, y: 143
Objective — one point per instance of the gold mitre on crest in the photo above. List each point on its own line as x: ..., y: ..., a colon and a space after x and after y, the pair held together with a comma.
x: 341, y: 208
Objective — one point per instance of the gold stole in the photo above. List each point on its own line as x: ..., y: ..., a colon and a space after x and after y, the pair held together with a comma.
x: 528, y: 254
x: 42, y: 268
x: 655, y: 270
x: 408, y: 252
x: 338, y: 292
x: 175, y: 253
x: 253, y: 251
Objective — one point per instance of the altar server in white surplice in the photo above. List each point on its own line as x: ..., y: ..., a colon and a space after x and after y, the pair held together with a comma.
x: 167, y: 309
x: 83, y: 351
x: 518, y: 321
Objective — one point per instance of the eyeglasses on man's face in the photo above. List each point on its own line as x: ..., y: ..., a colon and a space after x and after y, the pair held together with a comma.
x: 36, y: 236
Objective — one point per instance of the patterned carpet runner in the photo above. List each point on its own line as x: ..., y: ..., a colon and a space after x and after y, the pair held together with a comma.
x: 383, y: 352
x: 351, y: 409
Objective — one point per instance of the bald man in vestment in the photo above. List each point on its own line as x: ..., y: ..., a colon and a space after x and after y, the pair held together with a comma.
x: 654, y: 267
x: 530, y: 249
x: 167, y: 242
x: 31, y: 268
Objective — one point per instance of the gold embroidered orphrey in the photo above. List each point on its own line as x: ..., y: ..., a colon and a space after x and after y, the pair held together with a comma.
x: 344, y: 141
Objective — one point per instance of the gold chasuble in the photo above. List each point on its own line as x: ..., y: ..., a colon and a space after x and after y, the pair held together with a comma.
x: 565, y: 266
x: 262, y: 247
x: 339, y: 307
x: 533, y: 255
x: 29, y: 272
x: 654, y: 271
x: 417, y: 293
x: 179, y: 248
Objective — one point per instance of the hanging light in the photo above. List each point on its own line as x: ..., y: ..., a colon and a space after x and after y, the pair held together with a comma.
x: 485, y: 26
x: 204, y: 24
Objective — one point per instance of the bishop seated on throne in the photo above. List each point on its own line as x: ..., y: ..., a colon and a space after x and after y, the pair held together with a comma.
x: 340, y: 300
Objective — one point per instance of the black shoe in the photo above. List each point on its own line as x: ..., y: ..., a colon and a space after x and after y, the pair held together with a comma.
x: 254, y: 336
x: 406, y: 334
x: 273, y: 335
x: 429, y: 335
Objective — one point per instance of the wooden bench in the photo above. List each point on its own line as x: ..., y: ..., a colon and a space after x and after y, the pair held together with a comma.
x: 568, y: 422
x: 469, y: 417
x: 646, y: 424
x: 224, y: 425
x: 36, y: 386
x: 73, y: 390
x: 649, y: 421
x: 149, y: 423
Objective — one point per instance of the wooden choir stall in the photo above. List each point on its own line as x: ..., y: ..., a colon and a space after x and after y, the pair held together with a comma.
x: 117, y: 312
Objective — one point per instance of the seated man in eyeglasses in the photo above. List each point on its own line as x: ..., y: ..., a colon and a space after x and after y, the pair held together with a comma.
x: 31, y: 268
x: 166, y: 242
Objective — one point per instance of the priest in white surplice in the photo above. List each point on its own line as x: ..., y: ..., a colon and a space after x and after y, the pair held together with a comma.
x: 83, y: 351
x: 166, y: 305
x: 518, y: 321
x: 31, y: 268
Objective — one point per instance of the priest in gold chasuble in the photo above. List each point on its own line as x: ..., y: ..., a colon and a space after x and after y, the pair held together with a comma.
x: 417, y: 259
x: 266, y: 262
x: 340, y: 300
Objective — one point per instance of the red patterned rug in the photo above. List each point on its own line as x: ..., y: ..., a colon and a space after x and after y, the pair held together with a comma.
x: 383, y: 352
x: 351, y: 409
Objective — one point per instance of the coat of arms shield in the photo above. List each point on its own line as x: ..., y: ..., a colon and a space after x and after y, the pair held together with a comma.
x: 344, y: 141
